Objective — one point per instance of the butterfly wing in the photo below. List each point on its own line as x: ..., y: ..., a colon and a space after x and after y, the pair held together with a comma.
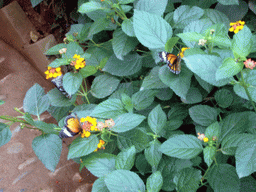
x: 173, y: 61
x: 71, y: 127
x: 58, y: 84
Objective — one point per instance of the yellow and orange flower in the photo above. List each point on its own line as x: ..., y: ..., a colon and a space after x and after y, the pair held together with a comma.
x: 181, y: 54
x: 53, y: 72
x: 202, y: 137
x: 79, y: 63
x: 100, y: 145
x: 236, y: 26
x: 249, y: 64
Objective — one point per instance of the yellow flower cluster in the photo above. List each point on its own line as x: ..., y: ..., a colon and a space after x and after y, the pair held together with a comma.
x: 53, y: 72
x: 202, y: 137
x: 89, y: 124
x: 237, y: 26
x: 79, y: 63
x: 100, y: 145
x: 181, y: 54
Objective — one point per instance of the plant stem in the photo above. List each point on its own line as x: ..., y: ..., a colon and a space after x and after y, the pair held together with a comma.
x: 247, y: 92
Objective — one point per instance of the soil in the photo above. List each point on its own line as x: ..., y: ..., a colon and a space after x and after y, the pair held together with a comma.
x: 49, y: 17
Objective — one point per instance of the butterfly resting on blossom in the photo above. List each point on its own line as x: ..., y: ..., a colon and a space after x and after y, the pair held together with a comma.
x: 72, y: 127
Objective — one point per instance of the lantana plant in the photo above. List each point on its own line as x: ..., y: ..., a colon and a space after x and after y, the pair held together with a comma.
x: 184, y: 124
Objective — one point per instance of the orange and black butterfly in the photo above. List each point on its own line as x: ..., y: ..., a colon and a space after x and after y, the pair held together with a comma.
x: 173, y: 61
x: 71, y: 127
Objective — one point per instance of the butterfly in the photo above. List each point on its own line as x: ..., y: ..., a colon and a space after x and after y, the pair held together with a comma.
x: 59, y: 85
x: 71, y: 127
x: 173, y: 61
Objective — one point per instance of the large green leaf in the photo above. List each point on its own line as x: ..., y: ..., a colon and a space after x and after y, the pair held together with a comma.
x: 223, y: 177
x: 90, y: 6
x: 125, y: 159
x: 182, y: 146
x: 193, y: 96
x: 224, y: 98
x: 154, y: 182
x: 143, y: 99
x: 72, y: 49
x: 180, y: 84
x: 213, y: 130
x: 246, y: 158
x: 82, y: 146
x: 130, y: 65
x: 152, y: 153
x: 205, y: 66
x: 157, y: 119
x: 209, y: 154
x: 45, y: 127
x: 59, y: 62
x: 152, y: 80
x: 98, y: 26
x: 203, y: 114
x: 242, y: 43
x: 151, y: 30
x: 48, y: 149
x: 229, y: 2
x: 187, y: 179
x: 100, y: 164
x: 250, y: 80
x: 127, y: 27
x: 99, y: 185
x: 57, y: 99
x: 103, y: 86
x: 137, y: 137
x: 72, y: 82
x: 123, y: 44
x: 5, y: 134
x: 216, y: 16
x: 55, y: 49
x: 35, y: 101
x: 153, y: 6
x: 185, y: 14
x: 110, y: 108
x: 126, y: 122
x: 124, y: 180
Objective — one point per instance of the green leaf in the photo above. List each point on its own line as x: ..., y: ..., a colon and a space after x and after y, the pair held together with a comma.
x: 126, y: 122
x: 165, y: 94
x: 182, y: 146
x: 170, y: 126
x: 155, y: 182
x: 242, y: 43
x: 229, y: 2
x: 5, y: 134
x: 223, y: 178
x: 205, y: 66
x: 35, y: 101
x: 125, y: 159
x: 224, y: 98
x: 246, y: 158
x: 171, y: 43
x: 203, y: 114
x: 59, y: 100
x: 230, y: 143
x: 47, y: 128
x: 48, y: 149
x: 127, y: 27
x: 104, y: 85
x: 82, y: 146
x: 248, y: 184
x: 187, y: 179
x: 143, y: 99
x: 136, y: 137
x: 88, y: 70
x: 127, y: 101
x: 55, y: 49
x: 152, y: 80
x: 152, y: 154
x: 90, y: 6
x: 123, y: 180
x: 157, y: 119
x: 229, y: 68
x: 190, y: 36
x: 213, y: 130
x: 154, y: 6
x: 97, y: 55
x: 204, y: 84
x: 178, y: 112
x: 72, y: 82
x: 185, y: 14
x: 100, y: 164
x: 99, y: 185
x: 59, y: 62
x: 193, y: 96
x: 110, y: 108
x: 123, y: 44
x: 151, y: 30
x: 209, y: 154
x: 180, y: 84
x: 142, y: 165
x: 2, y: 102
x: 72, y: 49
x: 35, y: 2
x: 216, y: 16
x: 235, y: 123
x: 250, y: 79
x: 126, y: 1
x: 98, y: 26
x: 130, y: 65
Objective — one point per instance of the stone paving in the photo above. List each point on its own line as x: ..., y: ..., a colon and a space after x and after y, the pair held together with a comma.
x: 20, y: 169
